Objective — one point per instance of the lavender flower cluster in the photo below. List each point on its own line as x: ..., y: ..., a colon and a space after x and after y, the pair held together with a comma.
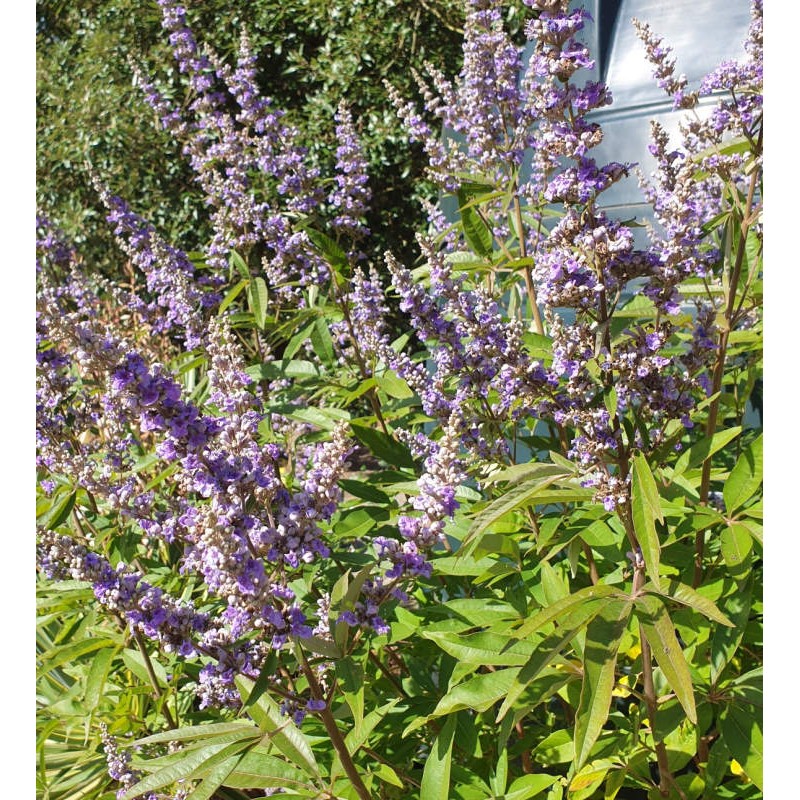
x: 583, y: 264
x: 242, y: 530
x: 249, y: 526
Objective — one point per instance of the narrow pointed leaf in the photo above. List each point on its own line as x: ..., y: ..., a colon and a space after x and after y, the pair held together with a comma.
x: 603, y: 635
x: 282, y: 731
x: 259, y: 770
x: 436, y: 775
x: 259, y: 298
x: 520, y: 495
x: 185, y: 768
x: 687, y: 596
x: 192, y: 732
x: 705, y: 448
x: 563, y: 606
x: 742, y: 734
x: 745, y: 477
x: 726, y: 641
x: 215, y: 778
x: 548, y: 649
x: 646, y: 507
x: 482, y: 648
x: 658, y: 628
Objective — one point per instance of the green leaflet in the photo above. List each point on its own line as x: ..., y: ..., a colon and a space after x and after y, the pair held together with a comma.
x: 476, y: 232
x: 740, y: 728
x: 705, y: 448
x: 746, y: 476
x: 258, y: 770
x: 436, y: 775
x: 687, y: 596
x: 187, y: 767
x: 258, y: 300
x: 603, y: 635
x: 552, y: 612
x: 660, y: 633
x: 646, y: 506
x: 394, y: 453
x: 482, y: 648
x: 281, y: 731
x: 547, y: 650
x: 518, y: 496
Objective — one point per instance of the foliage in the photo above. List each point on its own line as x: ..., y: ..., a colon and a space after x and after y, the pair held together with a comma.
x: 514, y: 552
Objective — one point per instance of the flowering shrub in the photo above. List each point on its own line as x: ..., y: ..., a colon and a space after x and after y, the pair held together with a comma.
x: 514, y: 552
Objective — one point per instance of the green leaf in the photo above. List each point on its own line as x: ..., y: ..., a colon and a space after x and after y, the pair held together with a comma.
x: 334, y: 255
x: 355, y: 739
x: 564, y: 606
x: 687, y: 596
x: 135, y: 662
x: 746, y: 476
x: 68, y: 653
x: 190, y: 733
x: 365, y: 491
x: 214, y: 778
x: 588, y: 779
x: 610, y: 401
x: 482, y: 648
x: 603, y: 635
x: 59, y: 512
x: 725, y: 641
x: 704, y: 449
x: 351, y: 681
x: 657, y: 627
x: 735, y: 544
x: 232, y: 295
x: 478, y: 693
x: 187, y: 767
x: 258, y: 299
x: 570, y: 623
x: 283, y: 733
x: 295, y: 368
x: 476, y: 232
x: 436, y: 775
x: 741, y: 730
x: 259, y: 770
x: 394, y: 453
x: 529, y: 786
x: 320, y: 646
x: 388, y: 775
x: 235, y: 260
x: 520, y: 495
x: 96, y: 677
x: 646, y: 506
x: 321, y: 339
x: 393, y: 385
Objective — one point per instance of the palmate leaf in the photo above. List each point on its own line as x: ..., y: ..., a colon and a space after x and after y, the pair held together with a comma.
x: 282, y: 731
x: 191, y: 766
x: 547, y: 650
x: 603, y: 635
